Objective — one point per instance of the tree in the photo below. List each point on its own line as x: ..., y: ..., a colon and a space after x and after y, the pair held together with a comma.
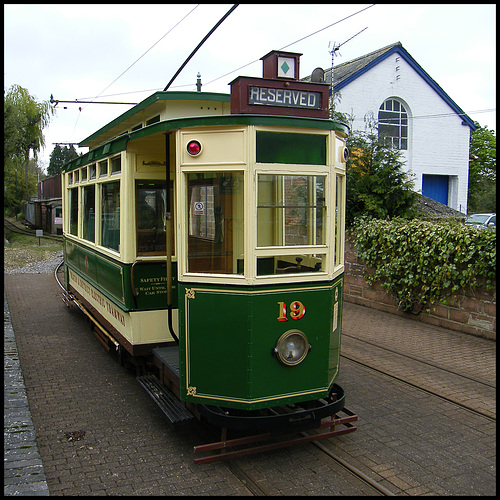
x: 24, y: 121
x: 13, y: 182
x: 60, y: 156
x: 482, y: 170
x: 376, y: 184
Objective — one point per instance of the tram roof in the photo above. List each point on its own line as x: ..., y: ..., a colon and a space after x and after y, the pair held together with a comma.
x: 119, y: 143
x: 114, y: 136
x: 152, y: 105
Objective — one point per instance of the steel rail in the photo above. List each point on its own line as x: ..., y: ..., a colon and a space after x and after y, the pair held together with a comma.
x: 420, y: 361
x: 354, y: 470
x: 28, y: 232
x: 427, y: 391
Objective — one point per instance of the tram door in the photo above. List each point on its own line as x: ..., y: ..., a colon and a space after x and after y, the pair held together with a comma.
x: 215, y: 209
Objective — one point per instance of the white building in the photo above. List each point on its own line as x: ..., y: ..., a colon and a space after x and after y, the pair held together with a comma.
x: 415, y: 114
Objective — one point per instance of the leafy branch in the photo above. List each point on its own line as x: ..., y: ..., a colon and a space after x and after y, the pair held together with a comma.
x: 421, y: 262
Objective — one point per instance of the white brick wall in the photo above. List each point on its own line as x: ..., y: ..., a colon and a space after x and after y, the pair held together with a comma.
x: 438, y: 142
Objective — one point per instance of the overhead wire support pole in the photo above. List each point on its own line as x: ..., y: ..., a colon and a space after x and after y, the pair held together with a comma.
x: 200, y: 44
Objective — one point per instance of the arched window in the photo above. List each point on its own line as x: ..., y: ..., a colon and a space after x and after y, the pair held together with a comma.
x: 393, y: 124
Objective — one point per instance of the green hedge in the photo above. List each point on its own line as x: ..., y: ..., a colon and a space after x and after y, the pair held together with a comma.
x: 421, y: 262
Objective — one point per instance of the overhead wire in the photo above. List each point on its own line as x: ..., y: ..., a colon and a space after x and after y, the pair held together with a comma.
x: 241, y: 67
x: 156, y: 43
x: 293, y: 43
x: 256, y: 60
x: 138, y: 59
x: 440, y: 115
x: 326, y: 27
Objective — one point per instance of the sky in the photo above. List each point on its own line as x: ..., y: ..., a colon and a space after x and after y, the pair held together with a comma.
x: 124, y: 53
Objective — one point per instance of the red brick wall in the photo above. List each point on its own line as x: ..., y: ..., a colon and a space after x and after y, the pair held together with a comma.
x: 473, y: 312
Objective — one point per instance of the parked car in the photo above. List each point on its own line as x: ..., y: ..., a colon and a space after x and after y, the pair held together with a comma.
x: 482, y: 221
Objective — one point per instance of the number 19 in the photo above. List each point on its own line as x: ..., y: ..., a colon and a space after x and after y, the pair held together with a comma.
x: 297, y: 310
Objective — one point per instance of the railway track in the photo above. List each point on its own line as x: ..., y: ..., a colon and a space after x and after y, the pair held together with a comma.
x: 14, y: 228
x: 257, y: 487
x: 488, y: 416
x: 254, y: 486
x: 413, y: 358
x: 251, y: 479
x: 433, y: 385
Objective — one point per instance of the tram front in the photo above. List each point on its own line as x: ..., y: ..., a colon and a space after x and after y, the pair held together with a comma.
x: 261, y: 198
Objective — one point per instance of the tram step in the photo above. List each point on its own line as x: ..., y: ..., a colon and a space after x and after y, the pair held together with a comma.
x: 175, y: 412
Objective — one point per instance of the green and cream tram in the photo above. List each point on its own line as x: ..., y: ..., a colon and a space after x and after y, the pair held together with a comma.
x: 209, y: 228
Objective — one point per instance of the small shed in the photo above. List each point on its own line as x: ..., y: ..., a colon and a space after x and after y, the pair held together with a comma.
x: 429, y: 209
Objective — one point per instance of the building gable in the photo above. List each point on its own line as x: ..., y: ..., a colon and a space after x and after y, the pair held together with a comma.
x: 346, y: 73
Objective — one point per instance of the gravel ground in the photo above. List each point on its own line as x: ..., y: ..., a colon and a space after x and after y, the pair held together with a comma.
x: 33, y: 262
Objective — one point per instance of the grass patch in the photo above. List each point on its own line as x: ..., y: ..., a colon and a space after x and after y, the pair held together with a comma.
x: 22, y: 250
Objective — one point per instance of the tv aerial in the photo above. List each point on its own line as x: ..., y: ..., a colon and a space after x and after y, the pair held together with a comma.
x: 333, y: 53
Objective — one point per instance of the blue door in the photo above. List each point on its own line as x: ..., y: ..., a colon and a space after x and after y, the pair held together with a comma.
x: 435, y: 187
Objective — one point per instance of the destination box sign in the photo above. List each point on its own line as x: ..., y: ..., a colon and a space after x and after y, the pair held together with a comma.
x: 270, y: 96
x: 288, y: 98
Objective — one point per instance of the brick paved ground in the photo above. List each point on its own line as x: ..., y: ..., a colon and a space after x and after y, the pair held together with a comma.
x: 99, y: 433
x: 91, y: 445
x: 413, y: 442
x: 462, y: 354
x: 23, y: 468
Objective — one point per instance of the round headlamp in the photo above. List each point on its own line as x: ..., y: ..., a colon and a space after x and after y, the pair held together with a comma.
x: 292, y: 347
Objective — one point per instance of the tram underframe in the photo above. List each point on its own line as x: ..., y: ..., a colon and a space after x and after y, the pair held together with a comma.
x: 285, y: 425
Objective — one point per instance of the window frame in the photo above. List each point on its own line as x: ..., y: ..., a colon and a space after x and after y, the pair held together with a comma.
x: 85, y: 190
x: 102, y: 201
x: 399, y: 138
x: 237, y: 208
x: 281, y: 225
x: 246, y: 164
x: 310, y: 251
x: 157, y: 184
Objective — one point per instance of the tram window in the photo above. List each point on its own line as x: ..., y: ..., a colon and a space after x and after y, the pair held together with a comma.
x: 70, y: 178
x: 88, y: 229
x: 103, y: 168
x: 110, y: 219
x: 151, y: 200
x: 73, y: 211
x: 291, y: 264
x: 116, y: 165
x: 75, y: 175
x: 155, y: 119
x: 215, y: 209
x: 277, y: 147
x: 290, y: 210
x: 92, y: 171
x: 84, y: 174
